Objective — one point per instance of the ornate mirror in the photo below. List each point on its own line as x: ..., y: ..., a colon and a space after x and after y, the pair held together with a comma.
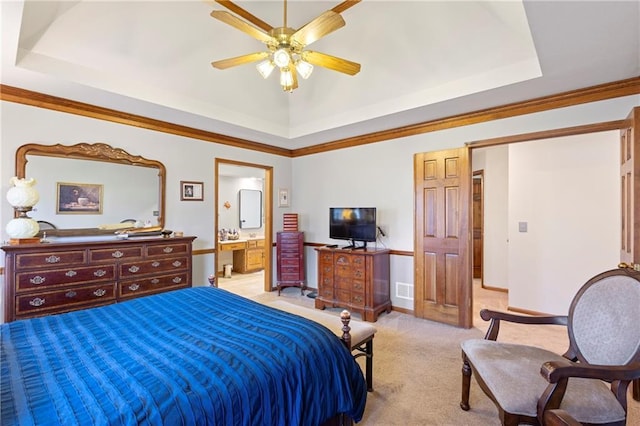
x: 87, y: 189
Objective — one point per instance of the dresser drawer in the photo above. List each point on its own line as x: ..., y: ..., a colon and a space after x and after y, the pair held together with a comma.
x: 52, y: 278
x: 167, y: 249
x: 57, y: 258
x: 290, y: 276
x: 153, y: 266
x: 114, y: 254
x: 232, y: 246
x: 156, y: 284
x: 326, y: 258
x: 255, y: 243
x: 290, y: 262
x: 64, y: 299
x: 326, y: 292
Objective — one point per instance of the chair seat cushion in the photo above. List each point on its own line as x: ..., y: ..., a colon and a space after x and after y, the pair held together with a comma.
x: 512, y: 374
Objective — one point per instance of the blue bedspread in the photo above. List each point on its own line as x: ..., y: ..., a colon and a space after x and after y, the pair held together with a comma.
x: 194, y: 356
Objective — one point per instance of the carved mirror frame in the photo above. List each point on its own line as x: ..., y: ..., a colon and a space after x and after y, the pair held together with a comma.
x: 95, y: 152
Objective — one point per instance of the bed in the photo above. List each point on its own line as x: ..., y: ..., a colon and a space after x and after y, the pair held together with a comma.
x: 187, y: 357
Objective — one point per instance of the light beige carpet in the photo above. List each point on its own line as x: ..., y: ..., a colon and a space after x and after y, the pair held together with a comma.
x: 417, y: 363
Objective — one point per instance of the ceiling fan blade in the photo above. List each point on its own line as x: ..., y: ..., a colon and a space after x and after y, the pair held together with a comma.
x: 345, y: 5
x: 243, y: 26
x: 239, y: 60
x: 331, y: 62
x: 319, y: 27
x: 245, y: 14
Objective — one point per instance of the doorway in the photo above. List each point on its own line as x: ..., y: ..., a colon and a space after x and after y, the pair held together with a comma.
x: 477, y: 223
x: 232, y: 176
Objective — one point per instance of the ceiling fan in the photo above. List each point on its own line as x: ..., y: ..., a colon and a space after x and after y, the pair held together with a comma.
x: 286, y: 46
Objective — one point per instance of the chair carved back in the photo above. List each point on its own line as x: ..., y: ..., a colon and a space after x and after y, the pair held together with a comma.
x: 604, y: 319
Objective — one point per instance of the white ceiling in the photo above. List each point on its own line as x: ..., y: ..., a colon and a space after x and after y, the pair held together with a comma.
x: 421, y: 60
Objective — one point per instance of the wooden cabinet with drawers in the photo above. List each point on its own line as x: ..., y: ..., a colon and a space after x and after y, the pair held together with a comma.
x: 250, y: 258
x: 290, y: 260
x: 354, y: 279
x: 43, y: 279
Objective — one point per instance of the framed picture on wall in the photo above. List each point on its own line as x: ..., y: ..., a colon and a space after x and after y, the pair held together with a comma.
x: 283, y: 197
x: 191, y: 191
x: 78, y: 198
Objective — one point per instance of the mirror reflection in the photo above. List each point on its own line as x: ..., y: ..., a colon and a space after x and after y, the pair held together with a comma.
x: 250, y: 208
x: 87, y: 189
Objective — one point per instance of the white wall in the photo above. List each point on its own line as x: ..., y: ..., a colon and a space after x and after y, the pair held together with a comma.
x: 379, y: 174
x: 567, y: 192
x: 184, y: 158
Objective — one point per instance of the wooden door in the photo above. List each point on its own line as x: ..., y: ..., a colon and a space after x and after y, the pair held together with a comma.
x: 630, y: 188
x: 478, y: 224
x: 442, y: 279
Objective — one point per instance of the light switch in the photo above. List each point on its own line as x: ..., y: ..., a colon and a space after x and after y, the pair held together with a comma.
x: 522, y: 226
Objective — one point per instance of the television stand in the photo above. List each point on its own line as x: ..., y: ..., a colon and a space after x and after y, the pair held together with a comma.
x: 353, y: 246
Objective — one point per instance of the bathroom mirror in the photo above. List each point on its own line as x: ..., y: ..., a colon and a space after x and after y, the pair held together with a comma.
x: 130, y: 187
x: 250, y: 208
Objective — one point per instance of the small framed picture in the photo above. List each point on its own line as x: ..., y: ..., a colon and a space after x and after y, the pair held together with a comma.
x: 283, y: 197
x: 191, y: 191
x: 79, y: 198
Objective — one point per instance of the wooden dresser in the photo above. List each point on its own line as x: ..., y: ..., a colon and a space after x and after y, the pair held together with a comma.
x: 290, y: 260
x: 43, y: 279
x: 354, y: 279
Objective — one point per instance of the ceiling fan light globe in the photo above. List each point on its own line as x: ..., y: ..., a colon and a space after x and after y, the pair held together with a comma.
x: 281, y: 58
x: 304, y: 69
x: 286, y: 78
x: 265, y: 68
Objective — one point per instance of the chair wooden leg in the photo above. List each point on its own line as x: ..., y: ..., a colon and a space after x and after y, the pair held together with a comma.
x: 636, y: 389
x: 369, y: 365
x: 466, y: 383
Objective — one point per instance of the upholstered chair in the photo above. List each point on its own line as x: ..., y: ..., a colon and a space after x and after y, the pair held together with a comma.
x: 588, y: 383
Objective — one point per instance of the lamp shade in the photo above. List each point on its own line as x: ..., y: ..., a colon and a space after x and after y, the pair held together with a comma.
x: 281, y: 58
x: 265, y: 68
x: 286, y: 79
x: 22, y: 227
x: 304, y: 68
x: 22, y: 193
x: 22, y: 196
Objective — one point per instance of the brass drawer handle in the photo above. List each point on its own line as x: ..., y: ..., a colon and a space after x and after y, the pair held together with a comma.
x: 117, y: 254
x: 155, y: 281
x: 133, y: 269
x: 52, y: 259
x: 134, y: 287
x: 100, y: 292
x: 357, y: 299
x: 177, y: 280
x: 37, y: 280
x: 357, y: 286
x: 177, y: 263
x: 37, y: 302
x: 358, y: 274
x: 100, y: 273
x: 70, y: 294
x: 71, y: 273
x: 155, y: 264
x: 167, y: 249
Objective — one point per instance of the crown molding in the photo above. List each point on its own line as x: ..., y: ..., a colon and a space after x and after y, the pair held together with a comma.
x: 600, y: 92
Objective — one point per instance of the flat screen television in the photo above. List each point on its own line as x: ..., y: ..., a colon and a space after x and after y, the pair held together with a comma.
x: 356, y: 224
